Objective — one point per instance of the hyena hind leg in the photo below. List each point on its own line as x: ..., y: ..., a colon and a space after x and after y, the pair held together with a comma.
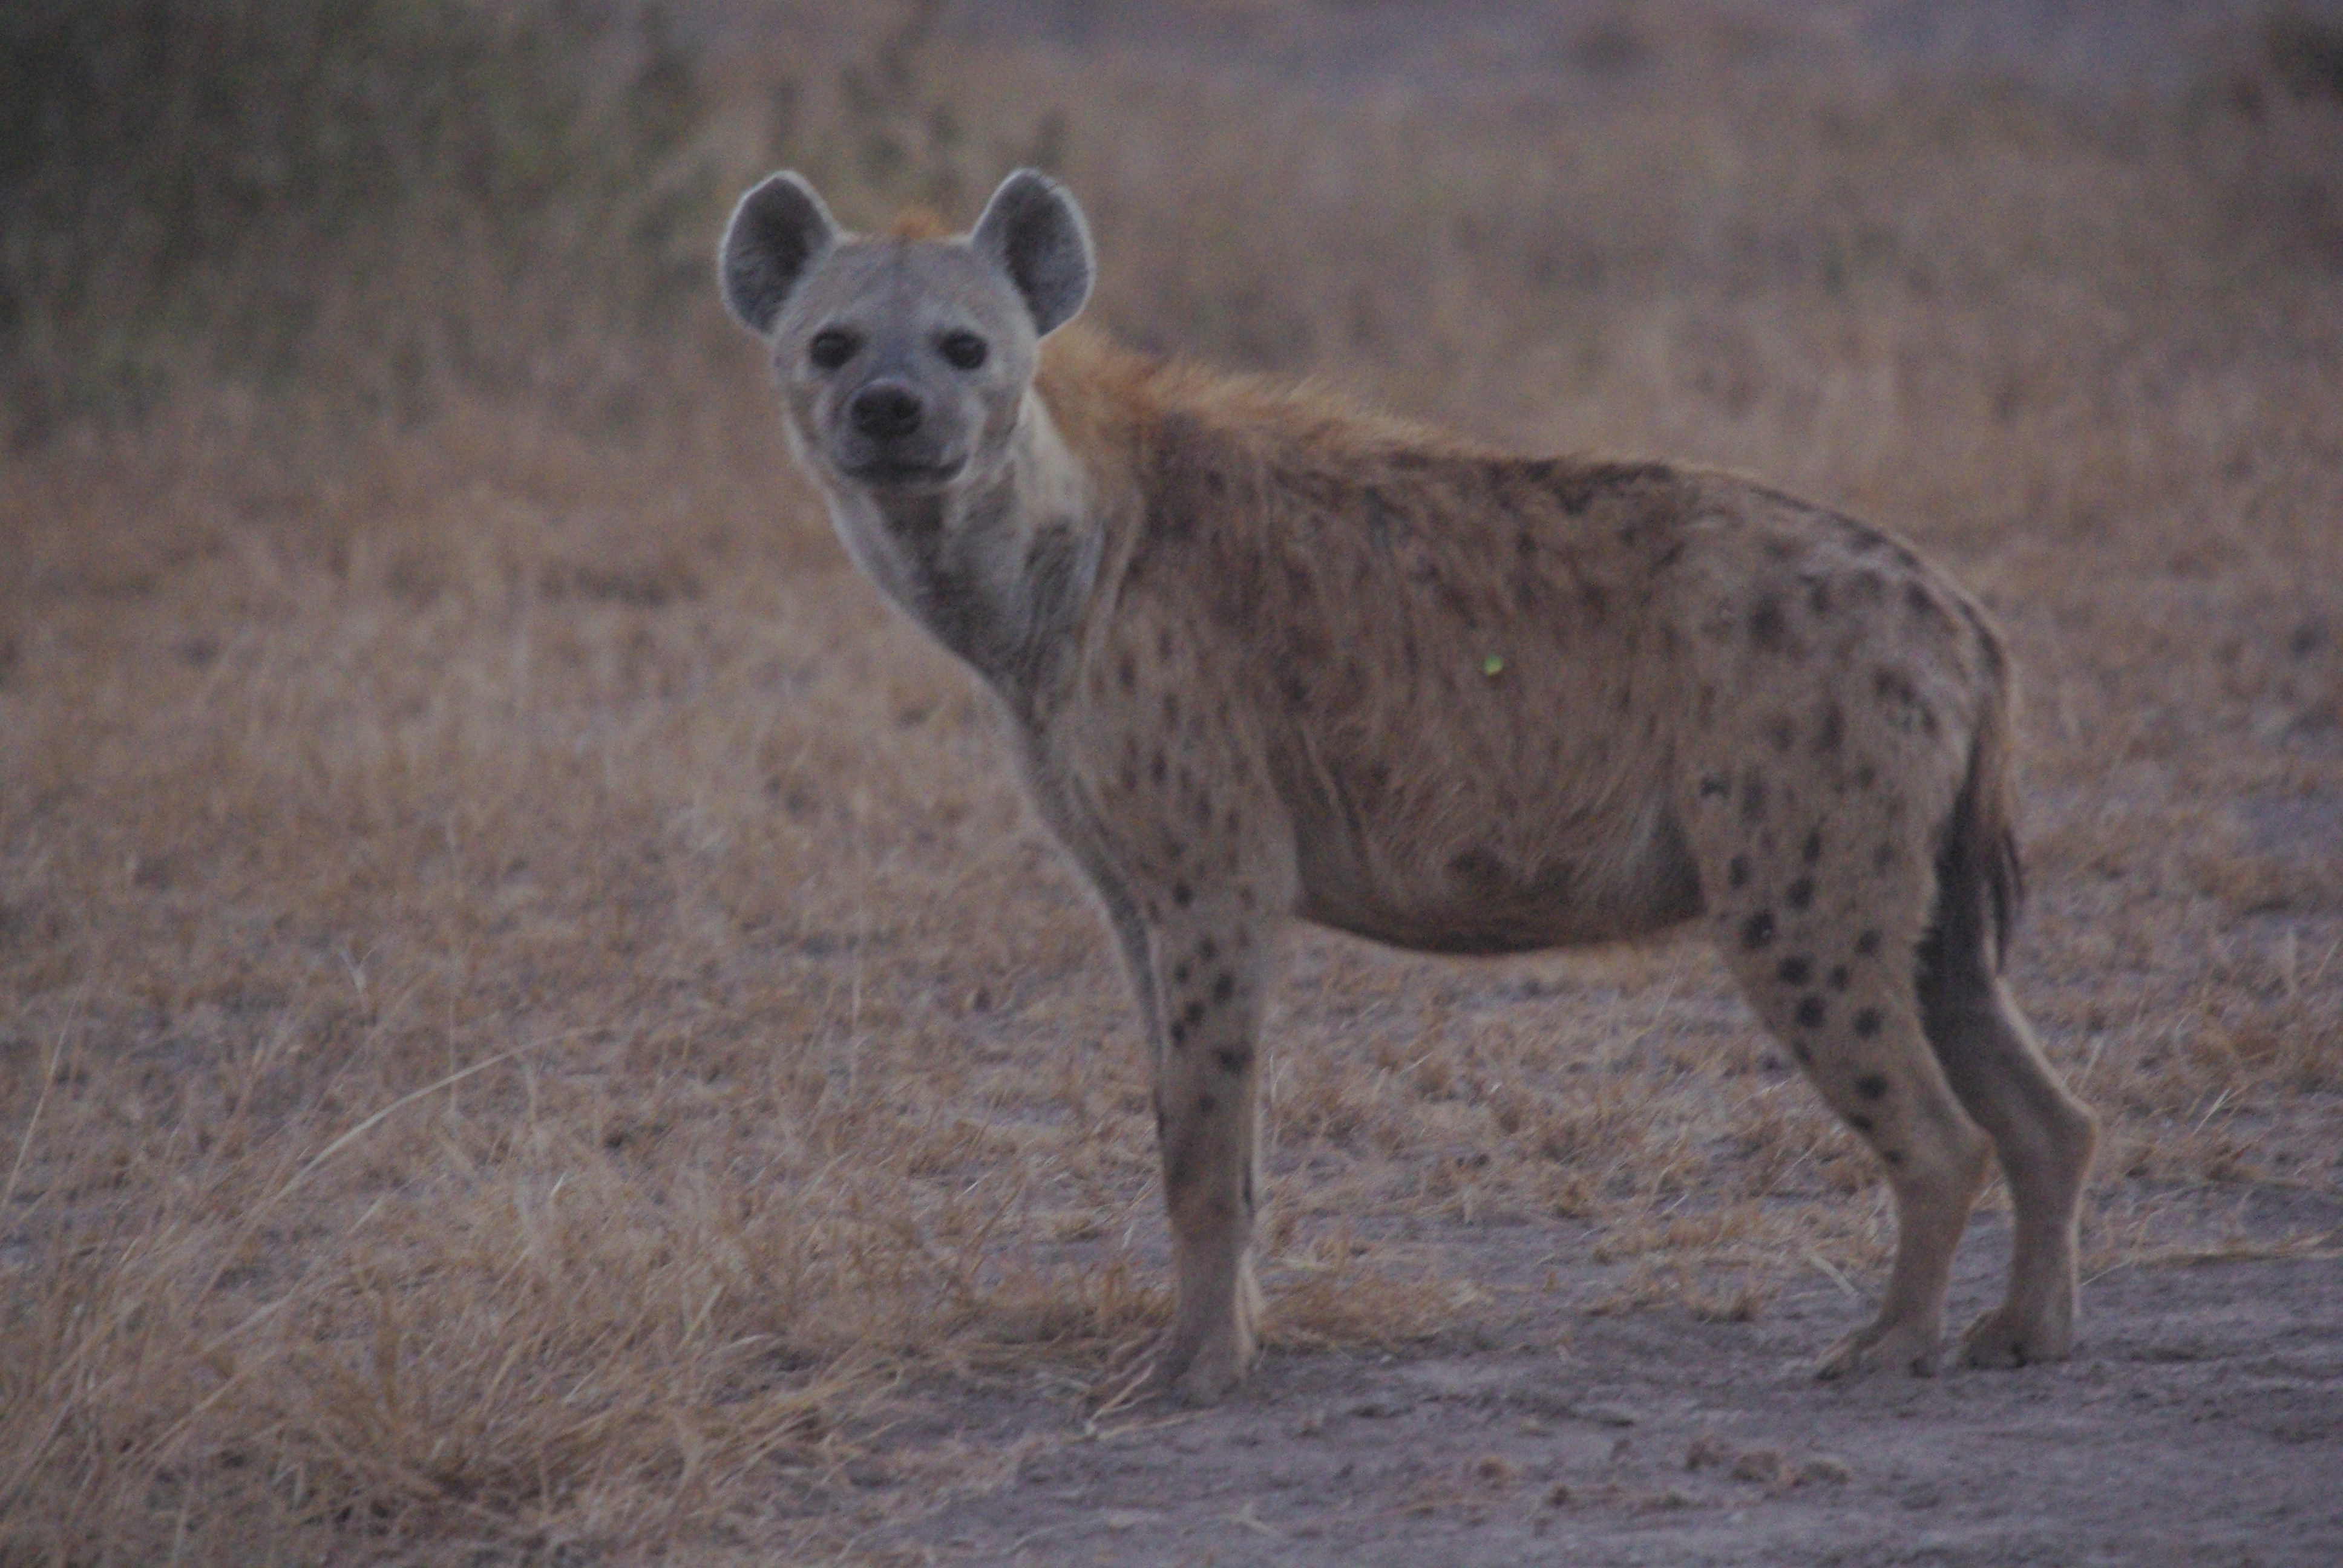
x: 1864, y: 1051
x: 1839, y: 994
x: 2045, y: 1137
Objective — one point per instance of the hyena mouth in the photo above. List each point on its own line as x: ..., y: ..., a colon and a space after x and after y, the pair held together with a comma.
x: 896, y: 473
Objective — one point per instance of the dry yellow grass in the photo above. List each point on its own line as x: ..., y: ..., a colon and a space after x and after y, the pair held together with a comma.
x: 534, y: 1021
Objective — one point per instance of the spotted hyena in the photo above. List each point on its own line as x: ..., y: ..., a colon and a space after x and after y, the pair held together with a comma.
x: 1264, y: 656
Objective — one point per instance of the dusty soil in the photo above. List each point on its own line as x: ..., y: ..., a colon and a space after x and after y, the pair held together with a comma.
x: 2201, y: 1421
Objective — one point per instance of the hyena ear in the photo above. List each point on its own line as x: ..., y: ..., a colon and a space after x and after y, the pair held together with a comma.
x: 777, y: 230
x: 1032, y: 231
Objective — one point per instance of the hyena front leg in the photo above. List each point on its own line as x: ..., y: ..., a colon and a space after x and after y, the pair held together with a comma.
x: 1208, y: 956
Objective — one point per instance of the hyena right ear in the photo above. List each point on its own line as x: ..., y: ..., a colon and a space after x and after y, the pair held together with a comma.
x: 777, y: 230
x: 1032, y: 230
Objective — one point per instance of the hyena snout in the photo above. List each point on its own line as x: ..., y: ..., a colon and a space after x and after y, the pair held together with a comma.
x: 887, y: 411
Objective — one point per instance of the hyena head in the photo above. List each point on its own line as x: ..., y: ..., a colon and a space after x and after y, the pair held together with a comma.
x: 904, y: 362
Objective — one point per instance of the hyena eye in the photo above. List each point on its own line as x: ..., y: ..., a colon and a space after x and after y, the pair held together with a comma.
x: 962, y: 350
x: 831, y: 347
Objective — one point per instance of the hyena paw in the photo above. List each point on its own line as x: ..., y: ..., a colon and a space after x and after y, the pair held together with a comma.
x: 1905, y: 1347
x: 1187, y: 1373
x: 2001, y: 1338
x: 1213, y: 1373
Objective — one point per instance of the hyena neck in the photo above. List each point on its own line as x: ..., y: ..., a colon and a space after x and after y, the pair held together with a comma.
x: 1000, y: 572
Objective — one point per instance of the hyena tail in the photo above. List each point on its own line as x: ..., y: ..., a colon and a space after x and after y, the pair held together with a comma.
x: 1980, y: 885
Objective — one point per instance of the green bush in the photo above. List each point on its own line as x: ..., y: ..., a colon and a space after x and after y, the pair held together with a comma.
x: 265, y: 190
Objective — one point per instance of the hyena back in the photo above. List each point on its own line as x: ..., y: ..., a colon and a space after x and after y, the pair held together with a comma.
x: 1265, y: 658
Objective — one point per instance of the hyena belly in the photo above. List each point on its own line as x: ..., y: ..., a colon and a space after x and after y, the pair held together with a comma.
x: 1510, y: 865
x: 1463, y: 672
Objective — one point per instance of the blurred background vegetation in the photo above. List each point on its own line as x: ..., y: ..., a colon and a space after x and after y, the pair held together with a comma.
x: 369, y: 201
x: 357, y: 205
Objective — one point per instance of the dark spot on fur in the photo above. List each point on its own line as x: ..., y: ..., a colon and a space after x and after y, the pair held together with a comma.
x: 1811, y: 851
x: 1818, y: 601
x: 1224, y: 987
x: 1893, y: 685
x: 1860, y: 1122
x: 1798, y: 1048
x: 1830, y: 730
x: 1768, y: 628
x: 1883, y: 857
x: 1865, y: 776
x: 1779, y: 731
x: 1182, y: 894
x: 1839, y: 977
x: 1752, y: 796
x: 1192, y: 1015
x: 1716, y: 787
x: 1871, y: 1086
x: 1757, y: 929
x: 1207, y: 951
x: 1800, y: 893
x: 1206, y: 1104
x: 1233, y: 1057
x: 1924, y: 606
x: 1795, y: 972
x: 1126, y: 670
x: 1811, y: 1009
x: 1203, y: 811
x: 1867, y: 943
x: 1894, y: 1157
x: 1296, y: 690
x: 1179, y: 1033
x: 1736, y: 871
x: 1180, y: 973
x: 1158, y: 767
x: 1866, y: 1022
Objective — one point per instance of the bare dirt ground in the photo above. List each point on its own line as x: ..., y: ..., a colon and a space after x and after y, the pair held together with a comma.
x: 2200, y: 1423
x: 534, y: 1028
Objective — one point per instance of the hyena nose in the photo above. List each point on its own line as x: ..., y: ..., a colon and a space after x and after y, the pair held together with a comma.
x: 886, y: 409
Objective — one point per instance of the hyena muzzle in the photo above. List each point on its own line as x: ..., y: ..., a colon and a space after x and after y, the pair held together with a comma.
x: 1265, y: 657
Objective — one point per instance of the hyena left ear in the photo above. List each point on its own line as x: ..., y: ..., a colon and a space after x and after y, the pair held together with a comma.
x: 776, y: 233
x: 1032, y: 231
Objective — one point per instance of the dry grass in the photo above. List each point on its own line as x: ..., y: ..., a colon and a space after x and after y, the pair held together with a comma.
x: 536, y: 1023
